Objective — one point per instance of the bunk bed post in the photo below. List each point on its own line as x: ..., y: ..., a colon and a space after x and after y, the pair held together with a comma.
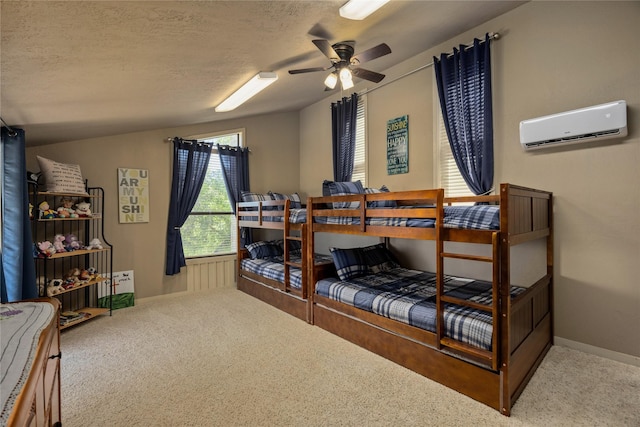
x: 286, y: 256
x: 496, y: 299
x: 505, y: 301
x: 307, y: 252
x: 238, y: 243
x: 439, y: 267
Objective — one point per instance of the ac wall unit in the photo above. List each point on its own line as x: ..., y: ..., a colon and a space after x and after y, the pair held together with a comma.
x: 599, y: 122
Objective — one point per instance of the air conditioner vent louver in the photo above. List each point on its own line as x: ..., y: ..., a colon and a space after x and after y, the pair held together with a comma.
x: 598, y: 122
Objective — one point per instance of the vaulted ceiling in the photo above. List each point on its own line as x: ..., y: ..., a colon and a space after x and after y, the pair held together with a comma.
x: 73, y: 70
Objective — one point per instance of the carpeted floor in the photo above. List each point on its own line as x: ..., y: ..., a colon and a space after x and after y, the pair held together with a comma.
x: 223, y: 358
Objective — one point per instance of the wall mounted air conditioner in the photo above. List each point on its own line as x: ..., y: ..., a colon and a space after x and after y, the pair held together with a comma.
x: 599, y: 122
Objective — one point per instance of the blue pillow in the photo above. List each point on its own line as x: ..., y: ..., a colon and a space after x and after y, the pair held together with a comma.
x: 248, y: 196
x: 350, y: 263
x: 295, y: 246
x: 380, y: 203
x: 295, y: 202
x: 260, y: 250
x: 379, y: 258
x: 332, y: 188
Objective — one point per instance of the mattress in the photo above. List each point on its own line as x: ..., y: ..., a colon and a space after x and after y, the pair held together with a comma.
x: 479, y: 217
x: 409, y: 296
x: 273, y: 268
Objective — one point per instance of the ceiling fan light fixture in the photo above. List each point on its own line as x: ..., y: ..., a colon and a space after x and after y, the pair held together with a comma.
x: 331, y: 80
x: 347, y: 84
x: 346, y: 78
x: 360, y: 9
x: 259, y: 82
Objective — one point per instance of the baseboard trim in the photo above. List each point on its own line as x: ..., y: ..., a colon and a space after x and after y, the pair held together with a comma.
x: 598, y: 351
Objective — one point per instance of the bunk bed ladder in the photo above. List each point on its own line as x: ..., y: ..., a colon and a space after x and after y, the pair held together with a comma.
x: 494, y: 308
x: 288, y: 238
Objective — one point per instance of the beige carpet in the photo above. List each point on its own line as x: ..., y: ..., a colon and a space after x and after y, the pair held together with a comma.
x: 223, y: 358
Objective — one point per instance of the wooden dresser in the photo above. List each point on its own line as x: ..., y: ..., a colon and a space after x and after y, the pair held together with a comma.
x: 30, y: 363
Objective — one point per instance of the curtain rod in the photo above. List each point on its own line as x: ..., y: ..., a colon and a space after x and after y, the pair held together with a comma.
x: 492, y: 36
x: 12, y: 132
x: 195, y: 141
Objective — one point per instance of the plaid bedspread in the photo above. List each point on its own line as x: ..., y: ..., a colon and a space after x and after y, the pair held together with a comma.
x: 408, y: 296
x: 273, y: 268
x: 482, y: 217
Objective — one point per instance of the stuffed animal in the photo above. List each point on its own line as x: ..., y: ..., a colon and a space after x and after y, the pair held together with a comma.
x: 71, y: 279
x: 46, y: 249
x: 66, y: 209
x: 83, y: 209
x: 30, y: 211
x: 58, y: 243
x: 54, y: 287
x: 71, y: 243
x: 45, y: 211
x: 94, y: 244
x: 84, y: 276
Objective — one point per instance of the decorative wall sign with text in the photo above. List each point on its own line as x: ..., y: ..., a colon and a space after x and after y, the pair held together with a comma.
x: 398, y: 145
x: 133, y: 195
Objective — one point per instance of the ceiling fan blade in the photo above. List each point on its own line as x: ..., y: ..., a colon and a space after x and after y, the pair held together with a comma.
x: 320, y: 32
x: 308, y: 70
x: 369, y: 54
x: 326, y: 48
x: 367, y: 75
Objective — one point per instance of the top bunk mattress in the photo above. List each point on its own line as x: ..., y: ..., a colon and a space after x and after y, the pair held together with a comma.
x: 480, y: 217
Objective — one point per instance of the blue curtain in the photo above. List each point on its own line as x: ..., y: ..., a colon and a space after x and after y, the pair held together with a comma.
x: 17, y: 269
x: 190, y: 162
x: 464, y: 88
x: 343, y: 133
x: 235, y: 170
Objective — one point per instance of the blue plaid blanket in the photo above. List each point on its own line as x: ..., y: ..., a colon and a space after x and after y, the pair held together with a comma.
x: 481, y: 217
x: 408, y: 296
x: 273, y: 268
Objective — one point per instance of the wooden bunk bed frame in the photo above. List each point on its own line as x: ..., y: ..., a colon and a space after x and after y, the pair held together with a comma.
x: 523, y: 326
x: 259, y: 215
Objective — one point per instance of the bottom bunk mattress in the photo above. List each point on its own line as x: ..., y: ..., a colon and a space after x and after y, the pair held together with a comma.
x: 409, y: 296
x: 273, y: 268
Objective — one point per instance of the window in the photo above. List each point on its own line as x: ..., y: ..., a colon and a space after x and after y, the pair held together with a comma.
x: 447, y: 173
x: 211, y: 228
x: 360, y: 157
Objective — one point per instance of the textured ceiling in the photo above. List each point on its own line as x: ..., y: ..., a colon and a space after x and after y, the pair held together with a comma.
x: 72, y: 70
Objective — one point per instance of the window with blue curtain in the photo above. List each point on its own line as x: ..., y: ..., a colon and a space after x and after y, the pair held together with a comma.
x: 464, y: 88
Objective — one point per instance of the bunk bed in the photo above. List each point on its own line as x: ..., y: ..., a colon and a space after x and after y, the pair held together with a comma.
x: 279, y: 279
x: 516, y: 319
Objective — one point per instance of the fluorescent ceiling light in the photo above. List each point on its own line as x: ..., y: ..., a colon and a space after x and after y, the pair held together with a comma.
x: 360, y: 9
x: 251, y: 88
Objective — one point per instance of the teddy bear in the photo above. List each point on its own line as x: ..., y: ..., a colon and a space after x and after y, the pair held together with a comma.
x: 71, y: 242
x: 58, y: 243
x: 83, y: 209
x: 66, y: 209
x: 46, y: 249
x: 94, y: 244
x: 54, y: 287
x: 45, y: 211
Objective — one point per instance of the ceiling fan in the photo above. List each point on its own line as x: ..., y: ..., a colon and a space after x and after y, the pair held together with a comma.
x: 345, y: 64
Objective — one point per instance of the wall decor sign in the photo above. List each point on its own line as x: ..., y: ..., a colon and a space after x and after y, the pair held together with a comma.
x: 398, y: 145
x: 133, y: 195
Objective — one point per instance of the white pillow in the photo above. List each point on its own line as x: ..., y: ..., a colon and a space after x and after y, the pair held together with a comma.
x: 61, y: 177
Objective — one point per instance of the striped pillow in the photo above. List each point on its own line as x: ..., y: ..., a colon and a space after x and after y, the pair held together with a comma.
x: 380, y: 203
x: 350, y: 263
x: 332, y: 188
